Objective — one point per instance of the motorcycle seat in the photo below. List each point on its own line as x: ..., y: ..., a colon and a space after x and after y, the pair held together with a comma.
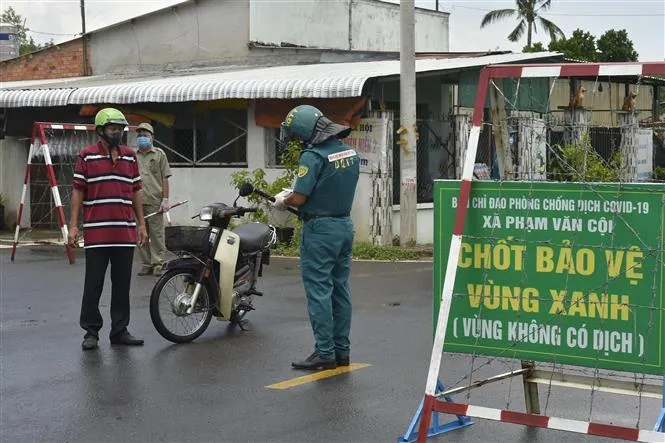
x: 253, y: 236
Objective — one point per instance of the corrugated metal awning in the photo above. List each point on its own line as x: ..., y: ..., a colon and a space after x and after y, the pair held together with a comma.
x: 34, y: 98
x: 328, y: 80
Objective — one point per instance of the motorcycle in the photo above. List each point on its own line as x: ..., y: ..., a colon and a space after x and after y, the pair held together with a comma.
x: 215, y: 272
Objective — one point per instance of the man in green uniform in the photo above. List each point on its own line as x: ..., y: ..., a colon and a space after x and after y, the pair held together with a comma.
x: 324, y: 191
x: 155, y: 173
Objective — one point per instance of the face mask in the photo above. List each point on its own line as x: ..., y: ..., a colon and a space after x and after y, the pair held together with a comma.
x: 113, y: 138
x: 143, y: 142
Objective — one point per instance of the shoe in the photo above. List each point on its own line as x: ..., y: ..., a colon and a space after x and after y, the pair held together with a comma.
x: 158, y: 271
x: 126, y: 339
x: 343, y: 360
x: 315, y: 362
x: 145, y: 270
x: 90, y: 342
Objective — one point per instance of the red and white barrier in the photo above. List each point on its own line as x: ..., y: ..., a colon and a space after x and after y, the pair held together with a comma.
x: 24, y: 191
x: 543, y: 421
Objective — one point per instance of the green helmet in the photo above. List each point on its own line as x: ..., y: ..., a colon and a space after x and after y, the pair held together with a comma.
x: 109, y: 116
x: 308, y: 124
x: 300, y: 122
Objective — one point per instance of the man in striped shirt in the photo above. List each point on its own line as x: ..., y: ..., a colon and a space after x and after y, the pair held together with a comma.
x: 107, y: 184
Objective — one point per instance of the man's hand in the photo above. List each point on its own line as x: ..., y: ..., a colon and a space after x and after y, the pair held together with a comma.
x: 279, y: 203
x: 142, y: 236
x: 73, y: 236
x: 165, y: 205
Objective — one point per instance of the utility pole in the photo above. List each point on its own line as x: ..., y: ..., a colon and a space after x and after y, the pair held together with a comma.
x: 82, y: 17
x: 84, y: 39
x: 407, y: 131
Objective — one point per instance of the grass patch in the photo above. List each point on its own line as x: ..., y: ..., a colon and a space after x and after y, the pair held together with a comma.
x: 366, y: 251
x: 292, y: 250
x: 361, y: 250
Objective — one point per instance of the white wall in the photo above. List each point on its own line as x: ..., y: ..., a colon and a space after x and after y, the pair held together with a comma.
x: 376, y: 26
x: 425, y: 223
x: 306, y: 23
x: 218, y: 31
x: 12, y: 170
x: 202, y: 186
x: 364, y: 25
x: 360, y: 212
x: 199, y: 31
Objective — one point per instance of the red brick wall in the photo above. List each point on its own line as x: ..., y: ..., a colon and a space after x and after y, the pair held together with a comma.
x: 63, y: 60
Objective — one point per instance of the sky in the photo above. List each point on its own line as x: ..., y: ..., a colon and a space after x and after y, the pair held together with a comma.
x: 644, y: 20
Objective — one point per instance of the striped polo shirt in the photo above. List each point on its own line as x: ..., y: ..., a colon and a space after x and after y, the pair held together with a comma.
x: 108, y: 214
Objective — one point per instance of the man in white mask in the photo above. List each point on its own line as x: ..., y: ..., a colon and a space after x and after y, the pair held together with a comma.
x: 155, y: 173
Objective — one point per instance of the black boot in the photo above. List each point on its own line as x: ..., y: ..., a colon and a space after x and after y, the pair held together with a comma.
x: 315, y: 362
x: 343, y: 360
x: 125, y: 338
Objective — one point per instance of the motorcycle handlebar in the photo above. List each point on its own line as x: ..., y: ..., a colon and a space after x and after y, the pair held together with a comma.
x: 272, y: 199
x: 238, y: 211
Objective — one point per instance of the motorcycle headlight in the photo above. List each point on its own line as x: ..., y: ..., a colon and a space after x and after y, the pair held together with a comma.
x: 206, y: 213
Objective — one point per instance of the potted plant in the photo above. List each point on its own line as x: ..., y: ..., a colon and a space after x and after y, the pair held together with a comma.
x: 286, y: 225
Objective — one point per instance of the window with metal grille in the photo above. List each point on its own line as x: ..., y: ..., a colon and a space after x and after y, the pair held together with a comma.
x: 213, y: 138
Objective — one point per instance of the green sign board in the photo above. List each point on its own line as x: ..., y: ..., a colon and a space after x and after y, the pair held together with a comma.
x: 556, y: 272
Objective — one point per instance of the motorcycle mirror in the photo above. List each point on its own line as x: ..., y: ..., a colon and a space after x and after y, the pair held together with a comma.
x: 246, y: 189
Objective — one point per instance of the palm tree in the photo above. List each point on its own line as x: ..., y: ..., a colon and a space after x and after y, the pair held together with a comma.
x: 528, y: 13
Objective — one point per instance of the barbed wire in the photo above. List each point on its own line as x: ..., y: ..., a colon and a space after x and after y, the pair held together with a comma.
x: 648, y: 242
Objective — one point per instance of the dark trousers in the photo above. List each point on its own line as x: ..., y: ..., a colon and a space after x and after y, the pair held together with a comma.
x: 96, y: 263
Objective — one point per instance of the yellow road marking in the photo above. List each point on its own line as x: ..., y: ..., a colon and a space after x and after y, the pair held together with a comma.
x: 286, y: 384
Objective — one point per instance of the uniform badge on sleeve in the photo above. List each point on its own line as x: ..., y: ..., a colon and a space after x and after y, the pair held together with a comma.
x: 302, y: 171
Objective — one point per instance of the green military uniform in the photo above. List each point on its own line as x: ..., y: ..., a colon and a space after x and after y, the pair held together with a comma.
x: 153, y: 166
x: 327, y: 176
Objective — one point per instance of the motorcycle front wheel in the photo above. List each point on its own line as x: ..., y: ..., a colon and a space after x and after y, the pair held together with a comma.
x: 168, y: 306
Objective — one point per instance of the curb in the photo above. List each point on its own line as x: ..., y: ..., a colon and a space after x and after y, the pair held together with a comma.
x: 54, y: 249
x: 429, y: 260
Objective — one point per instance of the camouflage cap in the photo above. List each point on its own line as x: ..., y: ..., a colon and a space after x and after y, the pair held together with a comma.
x: 147, y: 127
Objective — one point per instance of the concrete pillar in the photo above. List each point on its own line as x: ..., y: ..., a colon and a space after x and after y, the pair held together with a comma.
x: 256, y: 141
x: 629, y: 126
x: 500, y: 124
x: 381, y: 179
x: 531, y: 148
x: 462, y: 127
x: 576, y: 124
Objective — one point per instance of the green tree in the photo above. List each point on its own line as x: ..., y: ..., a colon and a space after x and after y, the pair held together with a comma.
x: 26, y: 43
x: 536, y: 47
x: 580, y: 162
x: 528, y: 13
x: 290, y: 159
x: 580, y: 46
x: 615, y: 46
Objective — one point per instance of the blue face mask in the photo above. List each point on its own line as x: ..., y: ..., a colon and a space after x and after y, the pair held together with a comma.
x: 143, y: 142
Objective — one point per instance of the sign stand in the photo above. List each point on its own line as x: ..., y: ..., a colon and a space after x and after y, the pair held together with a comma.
x: 660, y: 423
x: 613, y: 347
x: 436, y: 428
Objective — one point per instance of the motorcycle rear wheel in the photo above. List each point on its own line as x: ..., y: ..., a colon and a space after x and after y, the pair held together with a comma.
x: 202, y: 314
